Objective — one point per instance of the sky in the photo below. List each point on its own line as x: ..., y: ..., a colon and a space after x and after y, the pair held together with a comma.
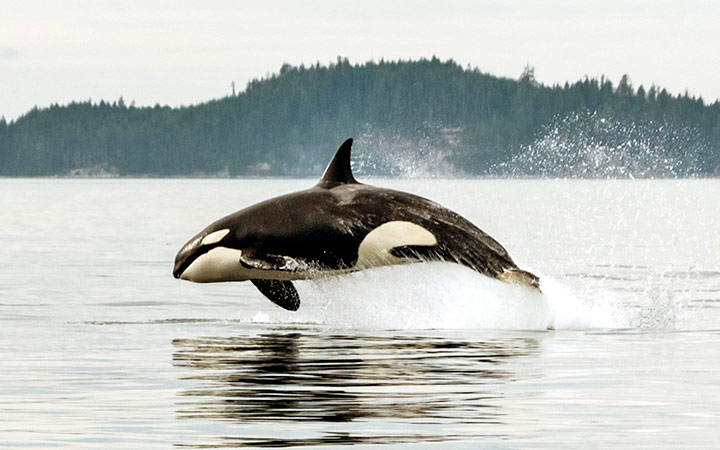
x: 180, y: 52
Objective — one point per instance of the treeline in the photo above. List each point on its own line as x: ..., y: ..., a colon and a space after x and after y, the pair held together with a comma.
x: 290, y: 122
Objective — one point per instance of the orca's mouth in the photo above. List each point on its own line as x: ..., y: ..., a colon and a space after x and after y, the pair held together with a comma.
x: 181, y: 263
x: 186, y: 256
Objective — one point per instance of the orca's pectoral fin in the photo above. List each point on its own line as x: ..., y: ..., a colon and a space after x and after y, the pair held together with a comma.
x: 280, y: 292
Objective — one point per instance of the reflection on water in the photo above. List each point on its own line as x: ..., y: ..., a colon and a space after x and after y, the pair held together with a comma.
x: 302, y: 377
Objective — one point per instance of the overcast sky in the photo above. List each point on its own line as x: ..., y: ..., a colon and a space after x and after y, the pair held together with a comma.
x: 183, y: 52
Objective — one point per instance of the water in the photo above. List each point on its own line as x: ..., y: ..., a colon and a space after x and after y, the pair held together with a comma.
x: 101, y: 348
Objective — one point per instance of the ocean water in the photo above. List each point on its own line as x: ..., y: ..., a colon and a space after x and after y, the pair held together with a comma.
x: 101, y: 348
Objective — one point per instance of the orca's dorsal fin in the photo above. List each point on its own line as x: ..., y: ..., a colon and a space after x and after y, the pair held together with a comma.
x: 339, y: 170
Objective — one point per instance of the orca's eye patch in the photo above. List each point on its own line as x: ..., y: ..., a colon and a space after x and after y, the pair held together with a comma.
x: 214, y: 237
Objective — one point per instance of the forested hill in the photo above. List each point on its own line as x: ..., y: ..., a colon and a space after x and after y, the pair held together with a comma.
x: 453, y: 119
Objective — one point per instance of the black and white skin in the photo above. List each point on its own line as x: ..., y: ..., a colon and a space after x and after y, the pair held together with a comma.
x: 336, y: 227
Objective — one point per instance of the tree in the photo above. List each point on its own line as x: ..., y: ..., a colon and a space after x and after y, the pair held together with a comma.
x: 528, y: 75
x: 285, y: 123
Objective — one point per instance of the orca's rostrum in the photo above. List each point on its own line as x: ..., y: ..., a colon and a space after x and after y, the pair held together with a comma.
x: 337, y: 226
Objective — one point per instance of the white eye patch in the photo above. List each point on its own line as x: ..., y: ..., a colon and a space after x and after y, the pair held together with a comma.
x: 214, y: 237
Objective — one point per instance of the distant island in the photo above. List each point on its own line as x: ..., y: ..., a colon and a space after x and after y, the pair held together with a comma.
x: 427, y: 117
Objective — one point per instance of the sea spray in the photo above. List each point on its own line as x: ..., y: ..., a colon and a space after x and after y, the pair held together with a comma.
x: 591, y: 144
x: 427, y: 155
x: 441, y: 295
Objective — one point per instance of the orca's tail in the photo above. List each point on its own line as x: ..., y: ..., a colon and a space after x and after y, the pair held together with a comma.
x: 520, y: 277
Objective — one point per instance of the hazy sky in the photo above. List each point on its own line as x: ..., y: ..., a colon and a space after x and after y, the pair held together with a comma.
x: 182, y: 52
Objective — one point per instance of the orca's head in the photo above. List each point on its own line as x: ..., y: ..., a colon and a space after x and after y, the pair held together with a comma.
x: 216, y: 253
x: 208, y: 257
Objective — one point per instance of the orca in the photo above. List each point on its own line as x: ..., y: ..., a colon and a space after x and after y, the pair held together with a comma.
x: 338, y: 226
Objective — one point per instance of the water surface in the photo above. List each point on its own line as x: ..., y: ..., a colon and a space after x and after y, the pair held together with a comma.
x: 101, y: 348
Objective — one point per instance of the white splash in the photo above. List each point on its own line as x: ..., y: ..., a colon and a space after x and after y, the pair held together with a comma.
x: 442, y: 296
x: 439, y: 295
